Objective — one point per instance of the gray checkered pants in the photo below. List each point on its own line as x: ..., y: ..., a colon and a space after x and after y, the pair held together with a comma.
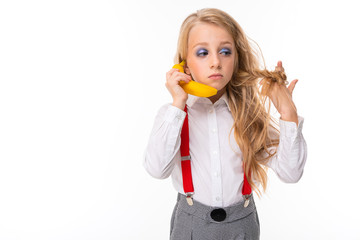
x: 195, y: 222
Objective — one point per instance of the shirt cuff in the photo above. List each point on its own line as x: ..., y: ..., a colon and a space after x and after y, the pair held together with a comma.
x: 175, y: 116
x: 289, y: 129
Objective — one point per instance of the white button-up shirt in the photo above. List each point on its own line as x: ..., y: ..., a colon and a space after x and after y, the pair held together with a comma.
x: 216, y: 159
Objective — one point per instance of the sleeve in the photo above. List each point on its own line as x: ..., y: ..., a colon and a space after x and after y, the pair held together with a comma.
x: 164, y: 143
x: 289, y: 161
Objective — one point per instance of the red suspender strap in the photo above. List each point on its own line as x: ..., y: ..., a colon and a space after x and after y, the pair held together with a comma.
x: 185, y: 160
x: 246, y: 190
x: 186, y: 166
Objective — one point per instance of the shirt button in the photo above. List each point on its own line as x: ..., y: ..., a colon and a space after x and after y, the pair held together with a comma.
x: 216, y: 174
x: 211, y: 111
x: 218, y: 198
x: 214, y: 152
x: 214, y: 130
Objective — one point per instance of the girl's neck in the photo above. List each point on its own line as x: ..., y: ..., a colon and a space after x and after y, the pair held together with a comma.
x: 216, y: 97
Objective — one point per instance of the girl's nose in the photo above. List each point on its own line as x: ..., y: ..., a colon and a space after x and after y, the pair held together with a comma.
x: 215, y: 62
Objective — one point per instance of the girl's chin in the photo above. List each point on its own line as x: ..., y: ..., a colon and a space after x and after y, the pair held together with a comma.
x: 214, y: 84
x: 217, y: 86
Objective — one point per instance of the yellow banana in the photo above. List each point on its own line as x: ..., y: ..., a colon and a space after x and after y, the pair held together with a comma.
x: 195, y: 88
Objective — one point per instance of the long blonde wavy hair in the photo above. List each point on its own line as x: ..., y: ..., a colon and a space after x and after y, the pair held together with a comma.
x: 252, y: 120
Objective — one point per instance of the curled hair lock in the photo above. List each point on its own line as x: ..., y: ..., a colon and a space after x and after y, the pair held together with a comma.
x: 270, y: 78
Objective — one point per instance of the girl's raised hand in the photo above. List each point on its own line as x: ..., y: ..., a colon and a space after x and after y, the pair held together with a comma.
x: 173, y: 77
x: 281, y: 96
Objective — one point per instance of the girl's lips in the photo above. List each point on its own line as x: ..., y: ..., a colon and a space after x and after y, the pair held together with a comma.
x: 216, y: 76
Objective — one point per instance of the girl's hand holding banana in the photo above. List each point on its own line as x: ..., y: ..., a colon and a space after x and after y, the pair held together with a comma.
x: 173, y: 78
x: 179, y: 84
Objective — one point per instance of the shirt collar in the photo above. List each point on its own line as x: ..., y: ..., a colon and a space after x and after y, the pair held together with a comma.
x: 194, y: 99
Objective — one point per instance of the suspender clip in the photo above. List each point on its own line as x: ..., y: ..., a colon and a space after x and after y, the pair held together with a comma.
x: 189, y: 198
x: 247, y: 200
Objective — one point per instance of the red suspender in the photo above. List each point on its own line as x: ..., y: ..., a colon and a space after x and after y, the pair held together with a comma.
x: 185, y: 160
x: 186, y: 166
x: 246, y: 190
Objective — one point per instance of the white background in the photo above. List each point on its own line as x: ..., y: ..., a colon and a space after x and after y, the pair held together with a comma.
x: 81, y: 83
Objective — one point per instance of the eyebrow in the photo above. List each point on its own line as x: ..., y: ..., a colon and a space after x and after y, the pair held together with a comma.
x: 205, y: 43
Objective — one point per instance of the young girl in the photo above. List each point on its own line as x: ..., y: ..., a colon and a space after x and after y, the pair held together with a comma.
x: 231, y: 136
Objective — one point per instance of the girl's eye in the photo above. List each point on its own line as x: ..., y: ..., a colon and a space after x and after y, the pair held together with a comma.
x: 202, y: 52
x: 225, y: 51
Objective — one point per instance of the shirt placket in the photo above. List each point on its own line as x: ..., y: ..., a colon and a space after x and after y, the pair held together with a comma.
x: 216, y: 183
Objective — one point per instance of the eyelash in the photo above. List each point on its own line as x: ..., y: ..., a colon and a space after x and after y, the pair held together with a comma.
x: 227, y: 51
